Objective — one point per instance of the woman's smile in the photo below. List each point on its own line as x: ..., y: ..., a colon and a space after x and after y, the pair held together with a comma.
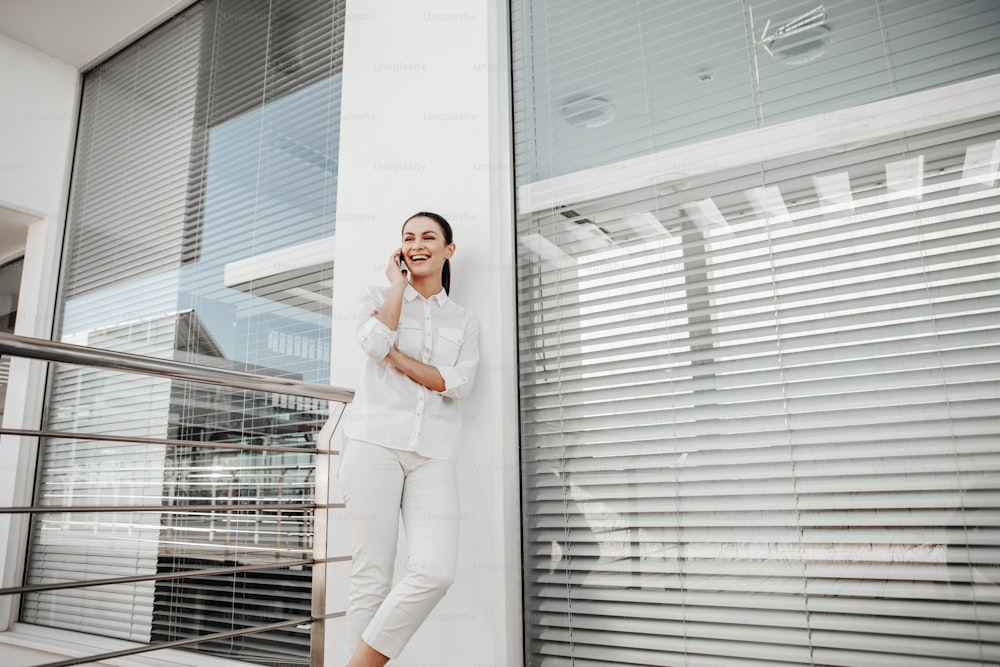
x: 424, y: 247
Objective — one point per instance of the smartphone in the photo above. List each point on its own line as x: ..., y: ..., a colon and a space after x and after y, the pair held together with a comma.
x: 402, y: 263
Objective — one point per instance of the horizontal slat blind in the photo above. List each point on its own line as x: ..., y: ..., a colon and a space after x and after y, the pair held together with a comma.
x: 72, y: 546
x: 759, y: 404
x: 270, y: 594
x: 811, y: 426
x: 131, y: 171
x: 675, y: 73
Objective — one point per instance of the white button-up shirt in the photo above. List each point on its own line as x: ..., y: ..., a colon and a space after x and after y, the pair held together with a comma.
x: 390, y: 409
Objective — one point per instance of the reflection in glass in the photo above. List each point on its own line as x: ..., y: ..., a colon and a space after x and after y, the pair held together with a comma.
x: 677, y: 74
x: 10, y: 288
x: 759, y: 425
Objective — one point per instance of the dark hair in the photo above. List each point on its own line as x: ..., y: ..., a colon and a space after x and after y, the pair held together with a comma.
x: 446, y: 229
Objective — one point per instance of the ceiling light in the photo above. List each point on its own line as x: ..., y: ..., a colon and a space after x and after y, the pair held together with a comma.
x: 981, y: 163
x: 543, y: 249
x: 588, y: 112
x: 706, y: 214
x: 584, y: 234
x: 645, y: 225
x: 768, y: 202
x: 905, y: 178
x: 834, y: 192
x: 799, y: 41
x: 803, y: 47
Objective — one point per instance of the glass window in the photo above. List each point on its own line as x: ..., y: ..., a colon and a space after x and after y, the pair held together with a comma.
x: 200, y: 228
x: 758, y: 251
x: 10, y: 288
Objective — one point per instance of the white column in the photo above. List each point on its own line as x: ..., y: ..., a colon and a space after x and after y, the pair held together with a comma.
x: 37, y: 120
x: 23, y: 407
x: 425, y: 126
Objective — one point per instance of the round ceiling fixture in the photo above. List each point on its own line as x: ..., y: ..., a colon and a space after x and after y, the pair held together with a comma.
x: 801, y: 46
x: 588, y: 112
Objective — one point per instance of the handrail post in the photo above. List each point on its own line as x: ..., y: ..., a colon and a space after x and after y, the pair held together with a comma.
x: 317, y: 631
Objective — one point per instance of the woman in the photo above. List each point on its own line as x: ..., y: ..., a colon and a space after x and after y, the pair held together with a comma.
x: 401, y: 438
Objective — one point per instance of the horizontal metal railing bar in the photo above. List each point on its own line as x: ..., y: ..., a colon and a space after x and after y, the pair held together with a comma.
x: 331, y: 559
x: 197, y: 444
x: 327, y: 616
x: 178, y: 643
x: 66, y: 585
x: 172, y: 509
x: 47, y: 350
x: 231, y: 507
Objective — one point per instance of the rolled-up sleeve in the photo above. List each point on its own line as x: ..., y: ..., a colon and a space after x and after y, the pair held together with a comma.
x: 375, y: 338
x: 458, y: 378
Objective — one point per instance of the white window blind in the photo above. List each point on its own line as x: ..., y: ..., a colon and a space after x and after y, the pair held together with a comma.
x: 776, y: 441
x: 759, y: 368
x: 599, y: 82
x: 76, y: 546
x: 200, y: 229
x: 130, y: 180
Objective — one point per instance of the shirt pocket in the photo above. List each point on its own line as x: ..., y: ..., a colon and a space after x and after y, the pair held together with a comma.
x: 409, y: 337
x: 449, y: 342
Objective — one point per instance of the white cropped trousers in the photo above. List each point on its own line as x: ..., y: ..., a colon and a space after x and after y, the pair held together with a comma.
x: 380, y: 484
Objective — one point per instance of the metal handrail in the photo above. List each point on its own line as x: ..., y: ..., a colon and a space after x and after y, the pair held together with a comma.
x: 53, y: 351
x: 163, y: 576
x: 178, y: 643
x: 48, y: 350
x: 72, y: 435
x: 166, y: 509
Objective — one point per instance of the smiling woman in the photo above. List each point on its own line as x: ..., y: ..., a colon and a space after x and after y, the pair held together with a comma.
x: 402, y: 440
x: 428, y: 229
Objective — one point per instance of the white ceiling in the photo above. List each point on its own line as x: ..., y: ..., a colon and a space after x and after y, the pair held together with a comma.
x: 81, y: 32
x: 78, y: 32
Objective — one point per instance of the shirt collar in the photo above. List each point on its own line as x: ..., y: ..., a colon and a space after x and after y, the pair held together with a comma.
x: 410, y: 294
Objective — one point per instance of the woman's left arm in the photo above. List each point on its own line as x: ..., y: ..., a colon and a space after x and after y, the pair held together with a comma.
x: 450, y: 381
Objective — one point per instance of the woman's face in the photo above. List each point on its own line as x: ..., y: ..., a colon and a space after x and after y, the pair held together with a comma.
x: 424, y: 247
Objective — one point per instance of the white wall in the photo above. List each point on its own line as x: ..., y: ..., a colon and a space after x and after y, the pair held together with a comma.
x: 37, y: 124
x: 426, y: 127
x: 37, y: 120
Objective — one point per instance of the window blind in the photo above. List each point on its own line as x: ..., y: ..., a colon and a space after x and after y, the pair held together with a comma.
x: 267, y: 184
x: 597, y: 83
x: 758, y: 391
x: 135, y: 134
x: 771, y: 441
x: 73, y: 546
x: 200, y: 229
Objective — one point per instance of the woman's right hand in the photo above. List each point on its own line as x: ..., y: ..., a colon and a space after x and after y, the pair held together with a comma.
x: 396, y: 277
